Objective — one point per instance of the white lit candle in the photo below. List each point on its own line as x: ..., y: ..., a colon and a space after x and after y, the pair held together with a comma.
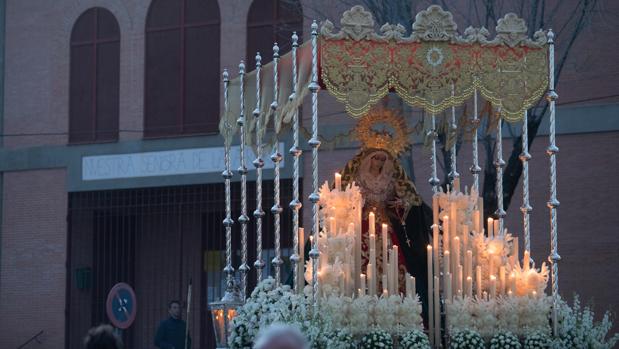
x: 468, y: 264
x: 497, y: 229
x: 362, y: 289
x: 469, y: 286
x: 459, y: 278
x: 385, y: 284
x: 455, y: 261
x: 490, y: 263
x: 372, y: 223
x: 434, y: 250
x: 490, y: 227
x: 447, y: 288
x: 465, y: 236
x: 437, y: 312
x: 502, y: 280
x: 413, y: 286
x: 370, y: 279
x: 478, y: 284
x: 385, y: 253
x: 338, y: 181
x: 407, y: 282
x: 512, y: 282
x: 435, y: 209
x: 396, y: 277
x: 430, y: 294
x: 526, y: 262
x: 476, y: 221
x: 515, y: 252
x: 446, y: 233
x: 492, y: 286
x: 301, y: 263
x: 446, y: 261
x: 453, y: 220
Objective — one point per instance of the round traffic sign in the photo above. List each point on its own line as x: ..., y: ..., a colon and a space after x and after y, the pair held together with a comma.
x: 121, y: 305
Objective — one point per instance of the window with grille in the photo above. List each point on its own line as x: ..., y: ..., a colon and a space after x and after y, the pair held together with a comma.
x: 182, y: 73
x: 94, y: 77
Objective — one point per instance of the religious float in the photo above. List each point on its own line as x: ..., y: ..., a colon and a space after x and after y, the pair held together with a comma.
x: 383, y: 269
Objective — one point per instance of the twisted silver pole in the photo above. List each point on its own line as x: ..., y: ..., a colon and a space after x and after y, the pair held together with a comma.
x: 258, y: 164
x: 499, y: 163
x: 453, y: 174
x: 243, y: 218
x: 314, y: 143
x: 434, y: 181
x: 295, y: 151
x: 553, y: 203
x: 526, y: 206
x: 475, y: 169
x: 227, y: 175
x: 276, y: 157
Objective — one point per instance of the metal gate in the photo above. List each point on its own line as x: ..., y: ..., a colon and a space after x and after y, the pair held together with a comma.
x: 156, y: 240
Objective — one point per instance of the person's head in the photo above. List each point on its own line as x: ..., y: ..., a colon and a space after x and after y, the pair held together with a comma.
x: 279, y: 336
x: 102, y: 337
x: 174, y: 309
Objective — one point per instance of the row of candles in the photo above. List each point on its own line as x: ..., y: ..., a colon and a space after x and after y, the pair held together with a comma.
x: 368, y: 283
x: 460, y: 278
x: 390, y: 278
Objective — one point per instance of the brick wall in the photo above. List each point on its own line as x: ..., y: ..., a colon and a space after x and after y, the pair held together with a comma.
x: 33, y: 274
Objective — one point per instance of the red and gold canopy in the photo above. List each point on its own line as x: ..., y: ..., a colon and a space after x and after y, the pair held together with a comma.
x: 434, y: 68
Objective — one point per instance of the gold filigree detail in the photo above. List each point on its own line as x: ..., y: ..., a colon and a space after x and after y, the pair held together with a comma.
x: 394, y: 142
x: 434, y: 24
x: 510, y: 70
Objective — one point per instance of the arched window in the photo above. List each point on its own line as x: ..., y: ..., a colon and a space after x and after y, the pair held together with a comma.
x: 271, y: 21
x: 182, y: 75
x: 94, y: 77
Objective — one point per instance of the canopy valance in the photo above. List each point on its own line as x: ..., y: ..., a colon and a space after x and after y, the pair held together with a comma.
x: 433, y: 68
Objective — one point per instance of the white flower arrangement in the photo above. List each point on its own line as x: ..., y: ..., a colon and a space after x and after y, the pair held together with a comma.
x: 393, y: 314
x: 466, y: 339
x: 536, y: 340
x: 577, y: 329
x: 518, y: 315
x: 415, y: 339
x: 505, y: 340
x: 377, y: 339
x: 266, y: 305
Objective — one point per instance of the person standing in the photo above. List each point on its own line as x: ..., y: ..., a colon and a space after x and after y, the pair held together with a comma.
x: 171, y: 331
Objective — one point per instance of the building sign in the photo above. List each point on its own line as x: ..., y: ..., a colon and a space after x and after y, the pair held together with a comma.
x: 166, y: 163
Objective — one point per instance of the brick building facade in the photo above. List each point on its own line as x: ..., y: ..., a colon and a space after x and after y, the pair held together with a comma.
x: 60, y: 222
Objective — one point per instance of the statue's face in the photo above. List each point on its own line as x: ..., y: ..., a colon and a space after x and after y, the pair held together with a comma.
x: 378, y: 161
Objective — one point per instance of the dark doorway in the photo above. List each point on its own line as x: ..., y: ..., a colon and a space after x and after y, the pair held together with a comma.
x: 157, y: 239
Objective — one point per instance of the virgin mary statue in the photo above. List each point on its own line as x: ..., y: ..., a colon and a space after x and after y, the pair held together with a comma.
x: 388, y: 192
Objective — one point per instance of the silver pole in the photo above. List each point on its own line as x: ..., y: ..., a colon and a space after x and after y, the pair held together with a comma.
x: 295, y: 151
x: 276, y: 157
x: 243, y: 218
x: 227, y: 175
x: 314, y: 143
x: 434, y: 181
x: 499, y: 164
x: 258, y: 164
x: 553, y: 203
x: 453, y: 174
x: 526, y: 206
x: 475, y: 169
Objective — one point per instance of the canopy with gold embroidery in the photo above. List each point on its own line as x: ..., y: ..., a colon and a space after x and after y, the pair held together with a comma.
x: 434, y: 68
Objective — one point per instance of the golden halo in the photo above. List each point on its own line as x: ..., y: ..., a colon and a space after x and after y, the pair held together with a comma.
x: 394, y: 142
